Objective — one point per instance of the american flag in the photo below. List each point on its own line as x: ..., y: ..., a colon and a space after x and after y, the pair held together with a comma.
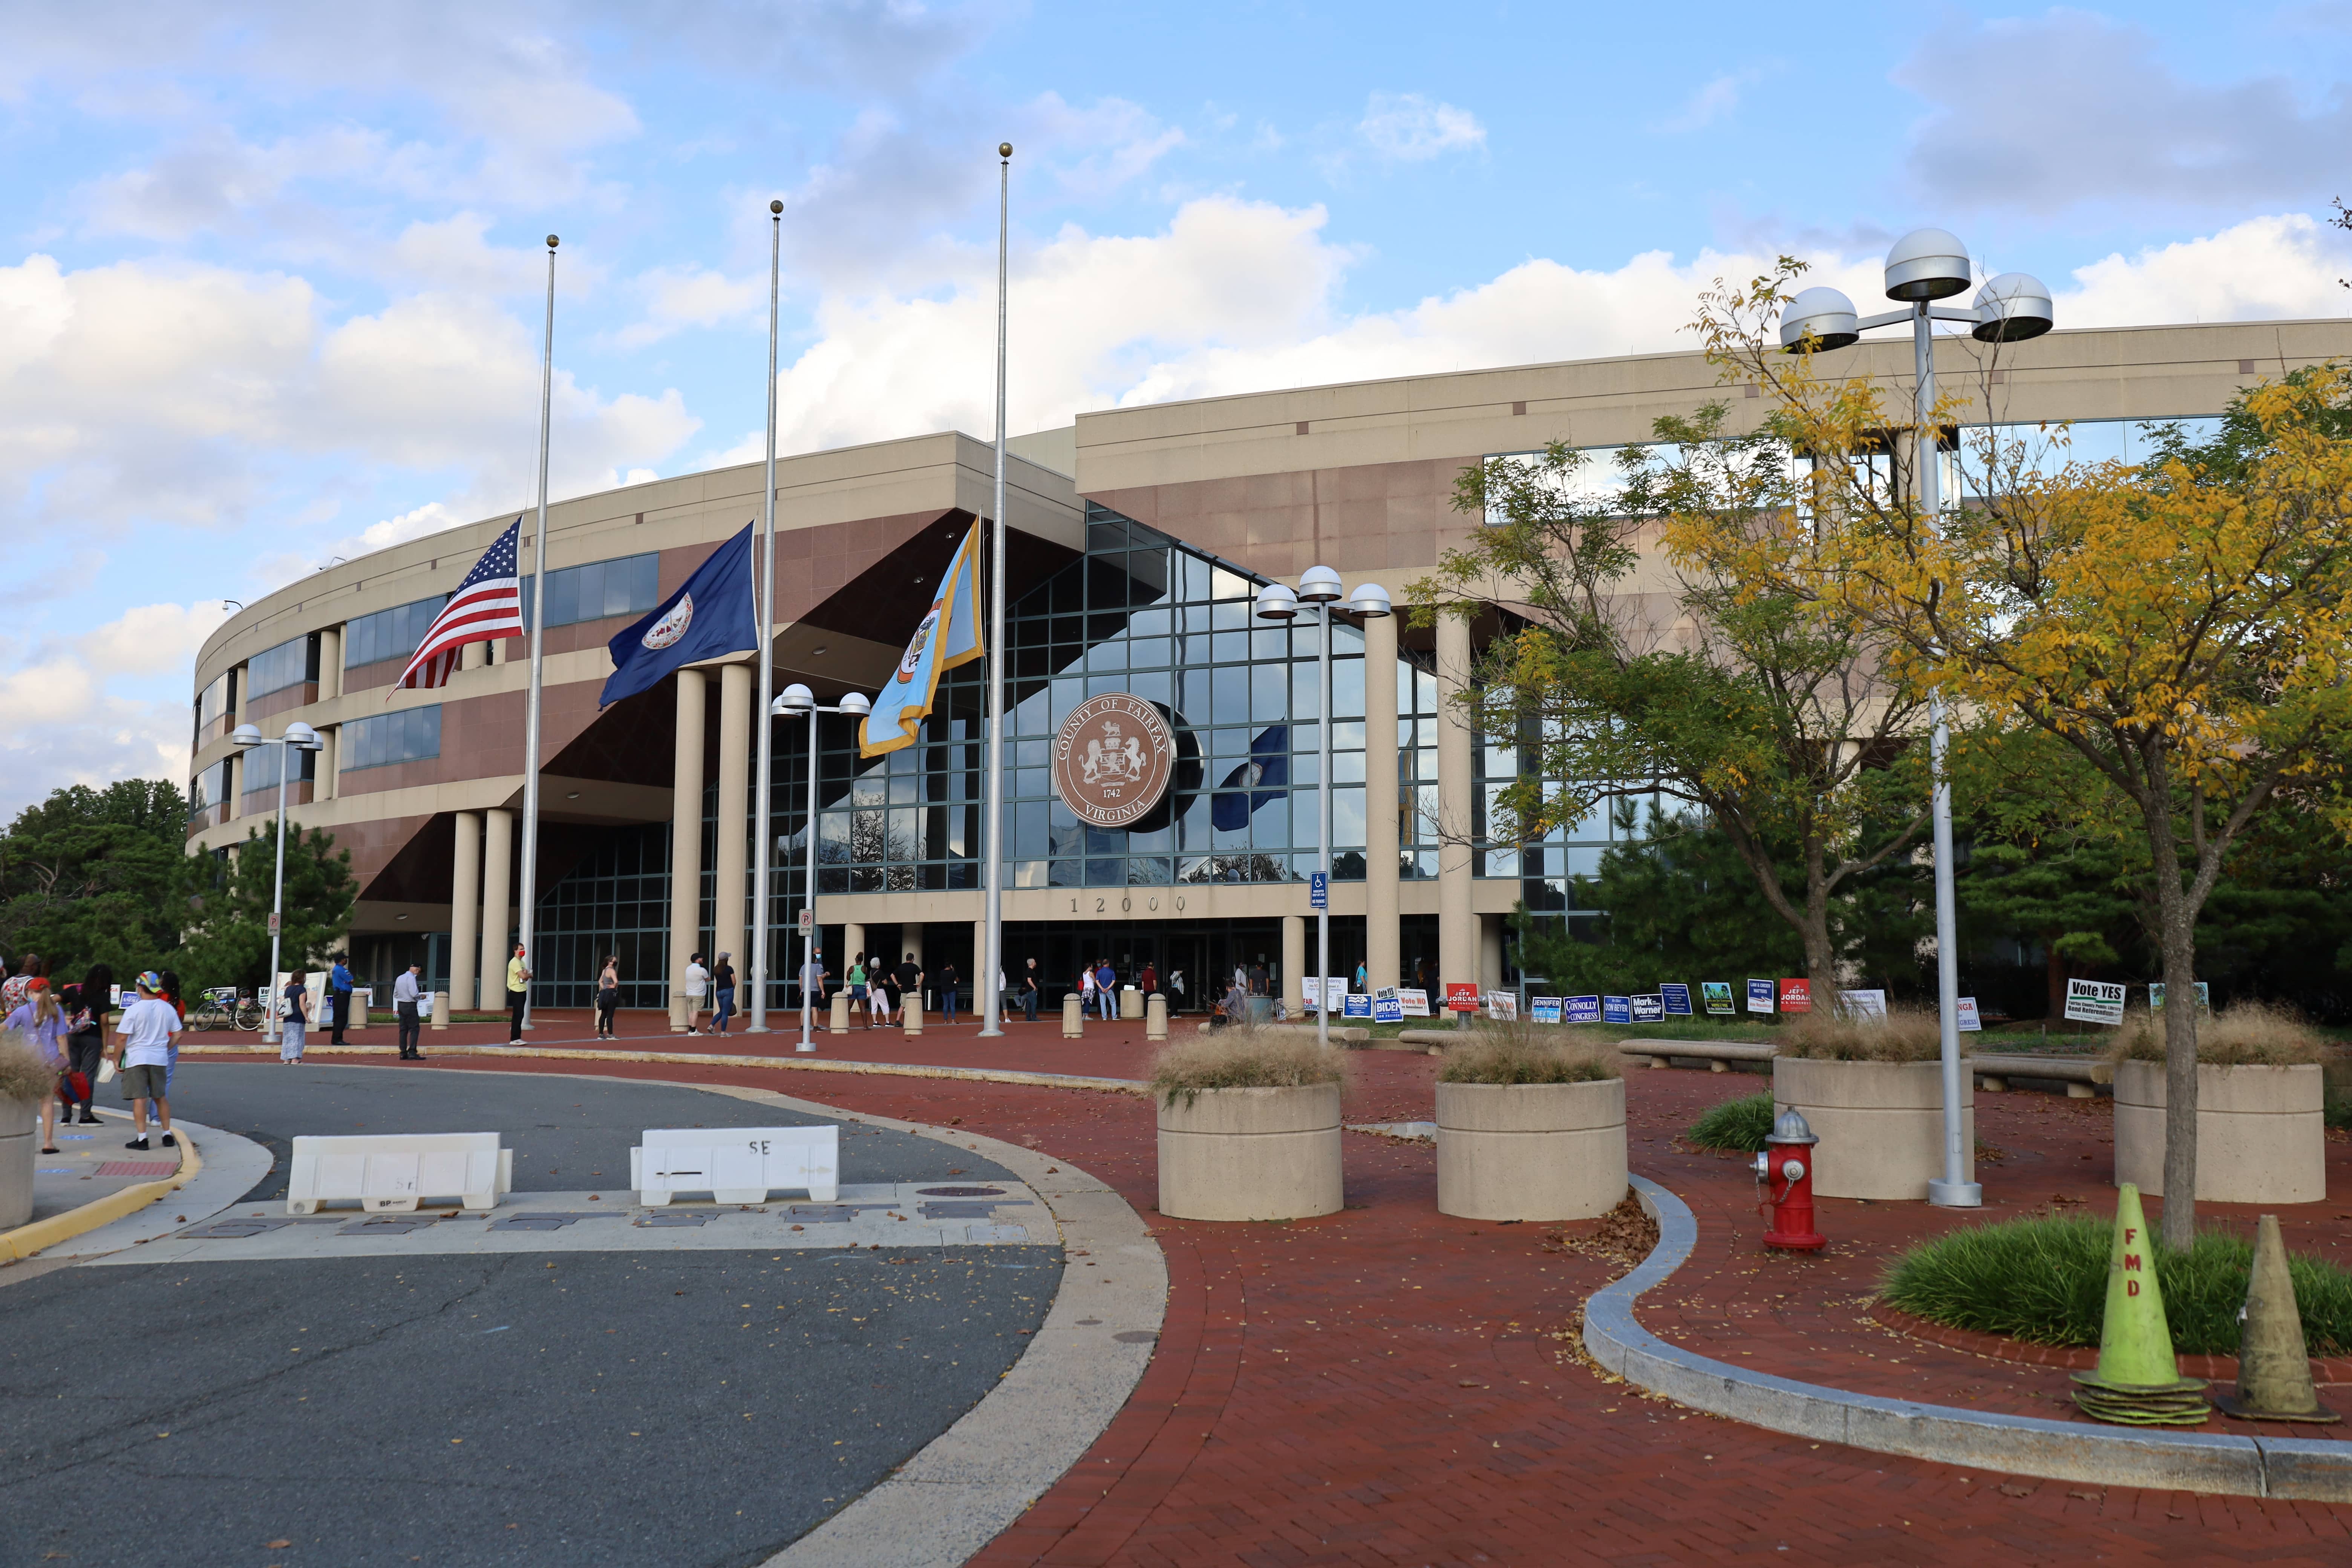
x: 486, y: 604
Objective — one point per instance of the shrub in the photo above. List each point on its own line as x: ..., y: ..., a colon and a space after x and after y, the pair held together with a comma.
x: 25, y: 1072
x: 1529, y: 1053
x: 2045, y: 1281
x: 1902, y: 1036
x: 1741, y: 1125
x: 1244, y: 1059
x: 2251, y: 1034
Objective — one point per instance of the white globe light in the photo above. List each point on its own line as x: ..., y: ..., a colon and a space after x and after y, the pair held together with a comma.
x: 1927, y: 264
x: 1827, y: 315
x: 1277, y: 603
x: 2013, y: 306
x: 856, y: 705
x: 1318, y: 585
x: 1372, y: 602
x: 793, y: 699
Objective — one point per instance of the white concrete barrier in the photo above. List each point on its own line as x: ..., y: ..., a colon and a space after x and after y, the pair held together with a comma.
x: 396, y: 1170
x: 736, y: 1165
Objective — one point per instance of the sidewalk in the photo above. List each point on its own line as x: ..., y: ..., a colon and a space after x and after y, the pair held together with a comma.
x: 1387, y: 1386
x: 91, y: 1164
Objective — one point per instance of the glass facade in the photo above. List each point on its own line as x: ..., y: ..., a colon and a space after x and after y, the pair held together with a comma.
x: 407, y: 736
x: 396, y: 633
x: 290, y: 663
x: 627, y: 586
x: 616, y: 901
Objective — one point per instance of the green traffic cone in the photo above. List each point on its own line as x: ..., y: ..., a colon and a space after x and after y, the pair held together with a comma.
x: 2137, y: 1381
x: 2273, y: 1363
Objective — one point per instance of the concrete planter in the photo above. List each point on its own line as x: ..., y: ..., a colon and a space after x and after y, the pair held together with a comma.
x: 1881, y: 1124
x: 2261, y: 1132
x: 20, y: 1132
x: 1251, y: 1154
x: 1530, y: 1151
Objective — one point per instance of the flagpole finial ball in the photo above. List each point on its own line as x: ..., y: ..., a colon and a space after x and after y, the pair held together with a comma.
x: 776, y: 207
x: 1004, y: 149
x: 550, y: 242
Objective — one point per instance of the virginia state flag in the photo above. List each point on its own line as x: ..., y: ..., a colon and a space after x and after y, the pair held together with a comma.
x: 711, y: 616
x: 950, y: 636
x: 1264, y: 778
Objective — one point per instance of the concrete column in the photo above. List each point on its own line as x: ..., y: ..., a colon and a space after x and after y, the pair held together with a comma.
x: 853, y: 942
x: 473, y: 655
x: 330, y: 664
x: 466, y: 912
x: 1381, y: 959
x: 1293, y: 961
x: 330, y: 751
x: 911, y: 940
x: 497, y: 902
x: 497, y: 646
x: 730, y: 905
x: 237, y: 783
x: 242, y: 674
x: 1457, y: 928
x: 684, y: 842
x: 1490, y: 953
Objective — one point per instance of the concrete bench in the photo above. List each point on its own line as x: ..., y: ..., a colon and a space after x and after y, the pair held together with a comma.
x: 396, y: 1170
x: 2079, y: 1074
x: 736, y: 1165
x: 1718, y: 1055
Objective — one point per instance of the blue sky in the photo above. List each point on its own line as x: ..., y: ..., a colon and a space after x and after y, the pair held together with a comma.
x: 270, y: 291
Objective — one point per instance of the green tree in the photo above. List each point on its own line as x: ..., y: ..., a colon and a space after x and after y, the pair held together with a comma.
x: 97, y: 874
x: 230, y: 942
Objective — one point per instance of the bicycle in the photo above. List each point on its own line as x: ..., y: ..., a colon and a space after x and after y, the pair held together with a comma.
x: 226, y: 1006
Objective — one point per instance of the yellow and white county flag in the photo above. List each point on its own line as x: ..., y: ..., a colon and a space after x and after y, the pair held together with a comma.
x: 950, y: 636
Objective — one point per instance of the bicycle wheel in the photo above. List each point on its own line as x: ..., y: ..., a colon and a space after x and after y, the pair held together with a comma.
x: 248, y: 1015
x: 201, y: 1018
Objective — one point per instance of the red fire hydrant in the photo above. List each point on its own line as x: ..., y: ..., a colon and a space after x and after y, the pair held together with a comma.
x: 1785, y: 1172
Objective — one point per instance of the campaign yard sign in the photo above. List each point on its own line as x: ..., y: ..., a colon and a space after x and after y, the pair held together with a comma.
x: 1677, y: 998
x: 1864, y: 1003
x: 1584, y: 1009
x: 1759, y: 996
x: 1717, y: 996
x: 1503, y: 1006
x: 1966, y: 1007
x: 2204, y: 997
x: 1412, y: 1003
x: 1543, y: 1009
x: 1650, y: 1009
x: 1796, y: 996
x: 1357, y: 1005
x: 1461, y: 996
x: 1388, y: 1006
x: 1616, y: 1009
x: 2095, y: 1002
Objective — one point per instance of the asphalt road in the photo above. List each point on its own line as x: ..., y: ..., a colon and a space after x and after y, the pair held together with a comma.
x: 591, y: 1408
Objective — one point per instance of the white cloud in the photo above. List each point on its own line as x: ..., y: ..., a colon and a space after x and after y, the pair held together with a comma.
x: 1716, y: 100
x: 150, y: 639
x: 681, y: 297
x: 1412, y: 128
x: 2266, y: 268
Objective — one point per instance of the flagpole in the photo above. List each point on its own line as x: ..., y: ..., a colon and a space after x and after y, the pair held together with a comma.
x: 991, y: 962
x: 764, y: 613
x: 538, y: 649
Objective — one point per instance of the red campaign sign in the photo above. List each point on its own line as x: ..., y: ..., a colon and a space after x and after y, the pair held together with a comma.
x: 1796, y: 996
x: 1460, y: 998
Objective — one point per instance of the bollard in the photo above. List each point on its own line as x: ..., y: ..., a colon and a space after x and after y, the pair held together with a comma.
x: 838, y: 1018
x: 1155, y: 1017
x: 1073, y: 1017
x: 440, y: 1009
x: 913, y: 1011
x: 1130, y: 1004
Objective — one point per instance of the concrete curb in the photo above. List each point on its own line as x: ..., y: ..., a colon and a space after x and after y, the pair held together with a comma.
x: 702, y: 1059
x: 2018, y: 1444
x: 41, y: 1234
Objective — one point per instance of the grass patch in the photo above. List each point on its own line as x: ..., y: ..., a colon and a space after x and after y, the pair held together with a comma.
x: 1529, y: 1053
x: 2045, y: 1281
x: 25, y: 1073
x: 2251, y: 1034
x: 1244, y: 1059
x: 1740, y: 1124
x: 1902, y: 1036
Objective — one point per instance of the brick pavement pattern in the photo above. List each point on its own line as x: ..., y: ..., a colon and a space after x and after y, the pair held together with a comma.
x: 1390, y: 1386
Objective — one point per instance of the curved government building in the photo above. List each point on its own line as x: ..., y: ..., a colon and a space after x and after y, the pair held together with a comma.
x: 1138, y: 538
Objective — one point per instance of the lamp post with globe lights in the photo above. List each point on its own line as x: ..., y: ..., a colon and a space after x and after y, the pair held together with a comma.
x: 797, y: 701
x: 299, y: 737
x: 1924, y: 266
x: 1318, y: 589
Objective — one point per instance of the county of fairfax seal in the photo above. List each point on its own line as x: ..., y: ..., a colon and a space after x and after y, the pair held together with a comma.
x: 1112, y: 759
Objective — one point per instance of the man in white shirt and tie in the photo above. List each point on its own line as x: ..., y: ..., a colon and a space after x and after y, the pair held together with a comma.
x: 405, y: 999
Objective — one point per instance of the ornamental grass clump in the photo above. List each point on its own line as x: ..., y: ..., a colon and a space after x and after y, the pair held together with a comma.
x: 1525, y: 1053
x: 1244, y: 1059
x: 2045, y: 1281
x: 1902, y: 1035
x: 25, y: 1073
x: 1741, y: 1125
x: 2251, y: 1034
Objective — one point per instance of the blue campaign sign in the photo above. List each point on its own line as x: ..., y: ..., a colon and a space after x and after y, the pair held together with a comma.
x: 1584, y: 1009
x: 1616, y: 1009
x: 1318, y: 892
x: 1677, y: 998
x: 1649, y: 1009
x: 1760, y: 996
x: 1357, y: 1005
x: 1388, y: 1008
x: 1543, y: 1009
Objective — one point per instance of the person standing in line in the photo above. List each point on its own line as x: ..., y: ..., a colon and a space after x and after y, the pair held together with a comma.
x: 143, y: 1051
x: 296, y: 1001
x: 856, y: 981
x: 1363, y: 986
x: 338, y: 998
x: 1029, y: 990
x: 86, y: 1042
x: 608, y: 995
x: 171, y: 993
x: 722, y: 994
x: 910, y: 982
x: 1148, y: 981
x: 698, y: 986
x: 1175, y: 991
x: 813, y: 975
x: 1106, y: 990
x: 405, y: 999
x: 40, y: 1020
x: 517, y: 994
x: 881, y: 988
x: 1085, y: 989
x: 948, y: 980
x: 19, y: 986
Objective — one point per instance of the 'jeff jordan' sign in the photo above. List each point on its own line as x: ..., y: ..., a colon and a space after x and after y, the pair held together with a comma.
x: 1112, y: 759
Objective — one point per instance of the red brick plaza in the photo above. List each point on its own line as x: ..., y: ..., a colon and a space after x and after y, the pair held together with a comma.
x: 1388, y: 1385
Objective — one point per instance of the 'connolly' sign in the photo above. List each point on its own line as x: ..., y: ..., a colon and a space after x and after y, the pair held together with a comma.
x: 1113, y: 758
